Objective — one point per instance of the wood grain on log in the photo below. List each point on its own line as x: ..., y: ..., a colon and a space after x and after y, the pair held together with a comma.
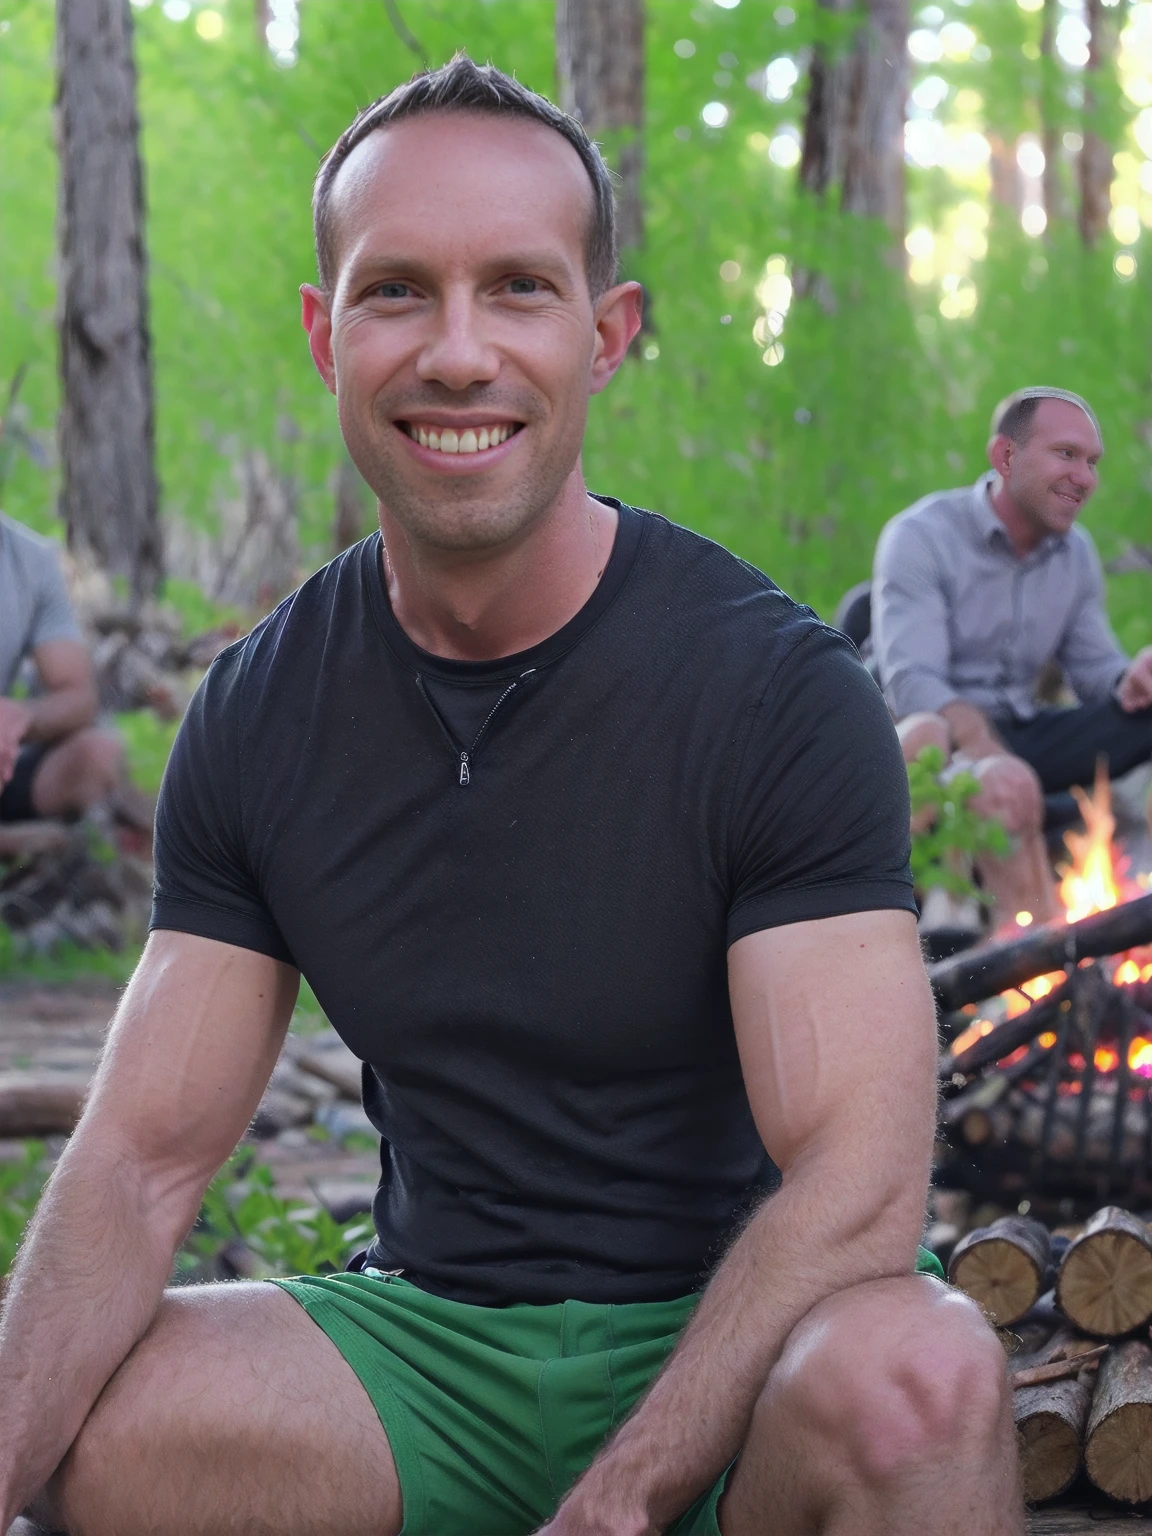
x: 1002, y: 1267
x: 1118, y: 1445
x: 977, y: 974
x: 41, y: 1103
x: 1105, y: 1281
x: 1049, y: 1432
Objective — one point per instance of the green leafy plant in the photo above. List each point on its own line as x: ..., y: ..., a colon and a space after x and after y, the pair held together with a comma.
x: 284, y: 1237
x: 942, y: 853
x: 21, y: 1182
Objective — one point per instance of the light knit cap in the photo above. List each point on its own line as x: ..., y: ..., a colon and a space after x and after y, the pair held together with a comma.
x: 1043, y: 392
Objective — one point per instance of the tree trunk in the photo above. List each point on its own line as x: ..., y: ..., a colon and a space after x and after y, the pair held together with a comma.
x: 1049, y: 113
x: 1104, y: 24
x: 600, y: 67
x: 854, y: 121
x: 261, y: 16
x: 109, y: 493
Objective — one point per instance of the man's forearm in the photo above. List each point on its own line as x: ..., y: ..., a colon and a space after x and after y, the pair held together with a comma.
x: 84, y: 1289
x: 972, y: 731
x: 59, y: 713
x: 794, y: 1253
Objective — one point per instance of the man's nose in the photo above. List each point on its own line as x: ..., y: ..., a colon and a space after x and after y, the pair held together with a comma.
x: 458, y: 352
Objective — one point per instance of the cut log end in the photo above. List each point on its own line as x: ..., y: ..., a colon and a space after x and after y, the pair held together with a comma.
x: 1105, y: 1281
x: 1119, y: 1455
x: 1002, y: 1268
x: 1049, y: 1456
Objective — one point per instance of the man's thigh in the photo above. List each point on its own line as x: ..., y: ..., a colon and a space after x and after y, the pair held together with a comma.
x: 234, y: 1416
x: 1062, y: 745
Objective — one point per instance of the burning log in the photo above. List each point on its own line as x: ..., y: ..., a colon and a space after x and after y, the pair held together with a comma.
x: 1119, y: 1434
x: 1003, y: 1267
x: 1105, y: 1281
x: 1007, y: 1037
x: 1050, y: 1423
x: 971, y: 976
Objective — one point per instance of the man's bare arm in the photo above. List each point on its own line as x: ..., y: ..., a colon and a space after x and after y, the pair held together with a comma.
x: 69, y: 700
x: 822, y: 1011
x: 189, y: 1054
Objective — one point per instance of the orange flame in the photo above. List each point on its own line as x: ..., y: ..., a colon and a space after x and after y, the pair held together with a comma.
x: 1090, y: 883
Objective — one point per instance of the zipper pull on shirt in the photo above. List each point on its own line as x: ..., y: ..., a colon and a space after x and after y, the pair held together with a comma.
x: 465, y: 775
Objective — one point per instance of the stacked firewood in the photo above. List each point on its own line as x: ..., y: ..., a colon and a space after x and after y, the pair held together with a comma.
x: 1074, y: 1314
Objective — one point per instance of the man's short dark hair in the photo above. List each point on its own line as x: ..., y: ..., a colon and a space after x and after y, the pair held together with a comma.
x: 1015, y: 415
x: 464, y: 86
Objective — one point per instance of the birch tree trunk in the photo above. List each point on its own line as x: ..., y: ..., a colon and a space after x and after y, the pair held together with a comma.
x: 109, y: 493
x: 600, y: 69
x: 1104, y: 23
x: 854, y: 121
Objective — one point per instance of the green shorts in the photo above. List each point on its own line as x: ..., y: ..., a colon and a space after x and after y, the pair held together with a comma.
x: 492, y: 1413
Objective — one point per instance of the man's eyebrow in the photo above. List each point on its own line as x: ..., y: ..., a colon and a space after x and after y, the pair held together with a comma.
x: 365, y: 268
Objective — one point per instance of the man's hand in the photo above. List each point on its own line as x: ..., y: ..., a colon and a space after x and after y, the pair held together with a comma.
x: 15, y: 718
x: 1134, y: 690
x: 972, y: 733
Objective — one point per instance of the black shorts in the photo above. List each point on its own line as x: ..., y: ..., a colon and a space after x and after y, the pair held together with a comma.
x: 16, y: 796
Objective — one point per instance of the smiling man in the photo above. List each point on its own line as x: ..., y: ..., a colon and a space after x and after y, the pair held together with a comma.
x: 594, y: 848
x: 975, y: 593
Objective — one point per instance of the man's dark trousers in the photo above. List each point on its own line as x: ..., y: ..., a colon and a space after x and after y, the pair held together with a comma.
x: 1063, y: 744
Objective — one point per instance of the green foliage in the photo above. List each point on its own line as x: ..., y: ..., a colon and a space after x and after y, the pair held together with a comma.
x: 147, y: 743
x: 879, y: 399
x: 942, y: 854
x: 65, y: 962
x: 286, y: 1237
x: 20, y: 1184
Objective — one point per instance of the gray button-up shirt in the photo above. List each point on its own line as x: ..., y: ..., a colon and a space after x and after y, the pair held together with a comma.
x: 34, y: 605
x: 958, y: 614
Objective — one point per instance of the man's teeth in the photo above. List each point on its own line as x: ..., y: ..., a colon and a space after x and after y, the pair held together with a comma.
x: 471, y: 440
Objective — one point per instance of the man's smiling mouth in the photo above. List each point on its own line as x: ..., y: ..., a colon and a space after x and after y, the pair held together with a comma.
x: 445, y: 439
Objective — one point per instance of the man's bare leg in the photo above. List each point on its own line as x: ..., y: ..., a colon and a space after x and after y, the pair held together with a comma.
x: 234, y: 1416
x: 1010, y: 792
x: 82, y: 770
x: 888, y: 1414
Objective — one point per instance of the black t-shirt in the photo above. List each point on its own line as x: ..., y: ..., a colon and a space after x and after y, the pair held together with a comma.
x: 528, y: 947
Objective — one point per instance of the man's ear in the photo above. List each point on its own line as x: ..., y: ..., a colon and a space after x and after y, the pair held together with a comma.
x: 317, y: 321
x: 617, y: 321
x: 1000, y: 454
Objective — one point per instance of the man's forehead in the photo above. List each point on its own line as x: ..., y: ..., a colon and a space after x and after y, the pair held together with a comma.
x: 1057, y: 418
x: 440, y: 164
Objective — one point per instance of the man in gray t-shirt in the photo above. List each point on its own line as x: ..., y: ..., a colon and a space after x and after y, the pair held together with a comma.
x: 53, y: 760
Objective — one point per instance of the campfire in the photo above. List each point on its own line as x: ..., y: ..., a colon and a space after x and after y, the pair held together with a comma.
x: 1048, y: 1074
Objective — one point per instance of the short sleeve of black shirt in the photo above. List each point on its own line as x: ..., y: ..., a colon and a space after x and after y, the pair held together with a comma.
x: 204, y: 882
x: 820, y: 823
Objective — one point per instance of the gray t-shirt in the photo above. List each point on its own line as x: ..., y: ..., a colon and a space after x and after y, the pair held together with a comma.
x: 34, y: 602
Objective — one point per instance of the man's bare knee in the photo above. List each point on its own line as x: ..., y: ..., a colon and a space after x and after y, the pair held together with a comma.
x: 921, y: 730
x: 888, y: 1392
x: 1011, y: 793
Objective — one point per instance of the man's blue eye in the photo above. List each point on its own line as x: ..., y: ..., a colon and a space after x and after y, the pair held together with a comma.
x: 393, y: 290
x: 523, y: 285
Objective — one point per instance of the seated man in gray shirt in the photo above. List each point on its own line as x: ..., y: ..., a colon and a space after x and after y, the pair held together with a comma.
x: 974, y: 592
x: 53, y: 760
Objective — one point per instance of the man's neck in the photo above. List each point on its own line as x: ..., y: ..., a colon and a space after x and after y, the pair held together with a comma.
x: 1023, y: 535
x: 479, y: 605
